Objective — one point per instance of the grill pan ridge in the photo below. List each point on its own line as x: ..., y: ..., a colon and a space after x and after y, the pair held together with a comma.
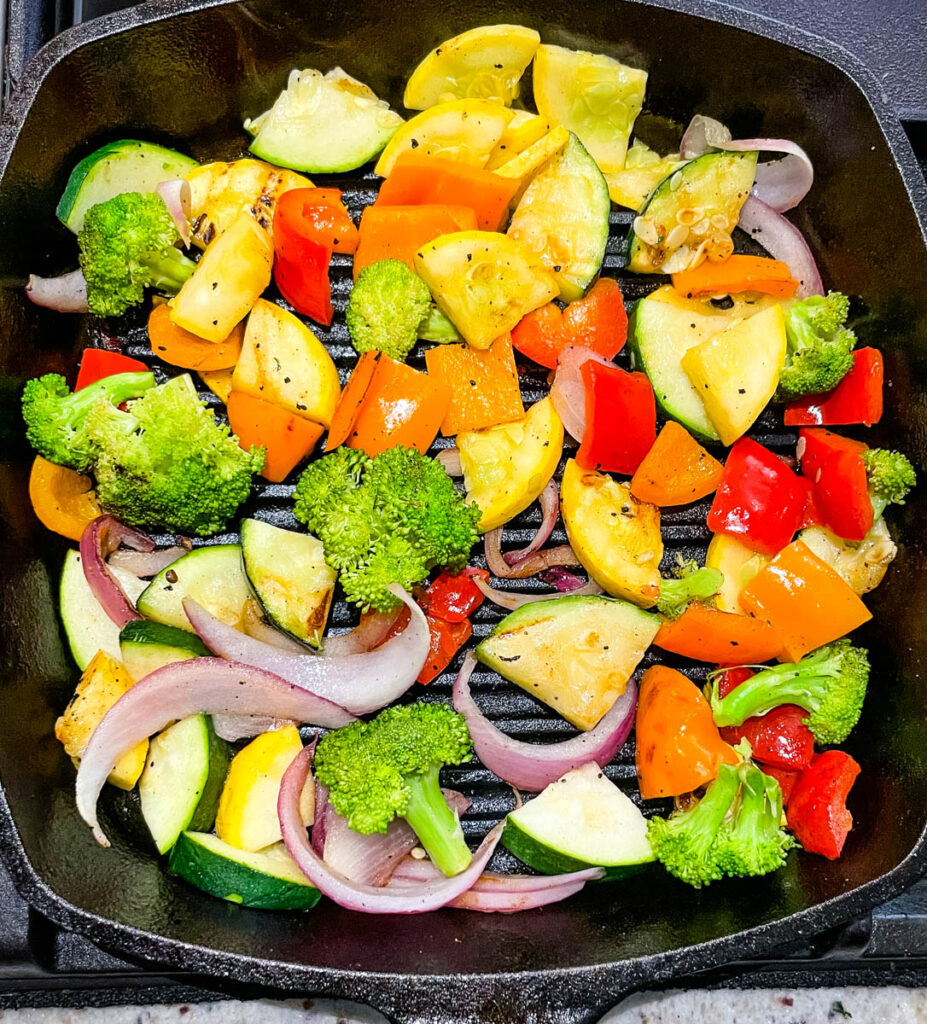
x: 565, y: 962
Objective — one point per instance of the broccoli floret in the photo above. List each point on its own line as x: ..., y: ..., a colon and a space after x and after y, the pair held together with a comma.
x: 890, y: 475
x: 684, y: 843
x: 167, y: 462
x: 385, y: 520
x: 437, y: 327
x: 820, y: 347
x: 753, y: 841
x: 688, y: 583
x: 386, y: 306
x: 829, y: 683
x: 389, y: 767
x: 126, y: 246
x: 55, y: 417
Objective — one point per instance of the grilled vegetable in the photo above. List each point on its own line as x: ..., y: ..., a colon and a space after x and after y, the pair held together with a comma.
x: 146, y: 646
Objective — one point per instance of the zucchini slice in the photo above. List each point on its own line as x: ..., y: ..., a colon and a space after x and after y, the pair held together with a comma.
x: 146, y: 646
x: 563, y: 218
x: 87, y: 626
x: 290, y: 578
x: 124, y: 166
x: 582, y: 820
x: 212, y: 576
x: 183, y: 777
x: 323, y: 123
x: 267, y: 880
x: 574, y: 653
x: 690, y: 215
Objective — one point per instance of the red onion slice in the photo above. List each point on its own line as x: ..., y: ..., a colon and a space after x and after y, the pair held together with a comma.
x: 352, y: 895
x: 550, y: 510
x: 366, y: 859
x: 532, y: 766
x: 783, y: 241
x: 99, y: 540
x: 66, y: 293
x: 781, y: 184
x: 199, y: 686
x: 564, y: 581
x: 568, y: 392
x: 145, y: 564
x: 450, y: 460
x: 501, y: 894
x: 369, y: 633
x: 232, y: 728
x: 178, y: 198
x: 362, y: 683
x: 511, y: 600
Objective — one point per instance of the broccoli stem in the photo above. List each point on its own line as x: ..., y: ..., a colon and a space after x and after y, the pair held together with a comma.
x: 117, y: 388
x: 435, y: 824
x: 169, y: 273
x: 802, y: 683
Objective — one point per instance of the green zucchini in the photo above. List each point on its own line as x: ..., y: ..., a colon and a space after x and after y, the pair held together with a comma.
x: 290, y: 578
x: 707, y: 193
x: 87, y: 626
x: 124, y: 166
x: 268, y: 879
x: 146, y: 646
x: 182, y: 780
x: 582, y: 820
x: 212, y: 576
x: 563, y: 217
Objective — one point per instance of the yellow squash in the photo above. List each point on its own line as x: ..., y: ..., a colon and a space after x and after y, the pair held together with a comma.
x: 483, y: 63
x: 736, y: 372
x: 484, y: 282
x: 521, y: 132
x: 531, y: 160
x: 594, y: 96
x: 862, y: 564
x: 738, y: 564
x: 103, y: 682
x: 463, y: 130
x: 283, y: 362
x: 643, y: 171
x: 219, y: 382
x: 232, y: 274
x: 506, y: 467
x: 616, y: 537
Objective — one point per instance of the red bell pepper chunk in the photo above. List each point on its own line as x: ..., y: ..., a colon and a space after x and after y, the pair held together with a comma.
x: 811, y: 514
x: 779, y: 739
x: 455, y: 598
x: 818, y: 813
x: 621, y: 419
x: 301, y: 273
x: 731, y: 678
x: 785, y: 779
x: 597, y: 321
x: 759, y: 500
x: 97, y: 363
x: 816, y: 445
x: 856, y: 399
x: 841, y: 492
x: 317, y: 214
x: 445, y: 640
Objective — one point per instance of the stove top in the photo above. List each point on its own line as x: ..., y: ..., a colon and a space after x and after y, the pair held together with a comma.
x: 43, y: 965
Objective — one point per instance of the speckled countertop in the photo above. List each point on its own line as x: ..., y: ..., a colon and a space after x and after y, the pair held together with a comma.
x: 888, y: 1005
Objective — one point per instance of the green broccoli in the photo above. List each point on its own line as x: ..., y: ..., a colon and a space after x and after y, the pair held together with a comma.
x: 126, y: 246
x: 688, y: 583
x: 385, y: 308
x: 735, y: 829
x: 829, y: 683
x: 890, y: 475
x: 389, y: 767
x: 385, y: 520
x: 437, y: 327
x: 167, y: 462
x: 55, y: 417
x: 820, y: 347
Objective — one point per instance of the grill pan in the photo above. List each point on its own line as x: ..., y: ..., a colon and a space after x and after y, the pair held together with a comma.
x: 185, y: 74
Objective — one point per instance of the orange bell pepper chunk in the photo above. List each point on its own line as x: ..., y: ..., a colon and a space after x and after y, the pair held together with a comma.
x: 398, y: 232
x: 676, y: 470
x: 807, y: 603
x: 706, y: 634
x: 181, y: 348
x: 415, y: 180
x: 352, y: 398
x: 679, y: 747
x: 288, y: 438
x: 318, y: 214
x: 483, y: 385
x: 64, y: 500
x: 736, y: 274
x: 400, y: 406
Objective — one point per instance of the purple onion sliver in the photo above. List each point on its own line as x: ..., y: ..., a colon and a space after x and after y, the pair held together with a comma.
x: 66, y: 293
x: 783, y: 241
x: 100, y: 539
